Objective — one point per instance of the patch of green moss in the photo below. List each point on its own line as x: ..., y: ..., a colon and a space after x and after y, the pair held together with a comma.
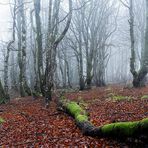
x: 144, y: 123
x: 144, y: 97
x: 120, y: 98
x: 1, y: 120
x: 124, y: 128
x: 119, y: 128
x: 145, y: 120
x: 75, y: 109
x: 81, y: 118
x: 114, y: 97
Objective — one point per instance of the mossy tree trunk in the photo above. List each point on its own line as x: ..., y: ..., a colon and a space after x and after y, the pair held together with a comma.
x: 124, y: 129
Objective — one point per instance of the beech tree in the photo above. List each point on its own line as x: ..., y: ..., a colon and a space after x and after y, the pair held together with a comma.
x: 53, y: 40
x: 6, y: 68
x: 39, y: 58
x: 138, y: 76
x: 89, y: 39
x: 21, y: 32
x: 5, y: 90
x: 3, y: 95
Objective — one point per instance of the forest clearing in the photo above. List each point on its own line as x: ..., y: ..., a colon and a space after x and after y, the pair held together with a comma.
x: 29, y: 124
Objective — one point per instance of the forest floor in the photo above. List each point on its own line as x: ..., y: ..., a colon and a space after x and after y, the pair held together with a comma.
x: 29, y: 124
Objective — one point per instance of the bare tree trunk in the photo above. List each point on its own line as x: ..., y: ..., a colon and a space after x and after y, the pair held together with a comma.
x: 39, y: 44
x: 13, y: 73
x: 132, y: 38
x: 34, y: 53
x: 68, y: 73
x: 61, y: 68
x: 6, y: 61
x: 3, y: 97
x: 138, y: 77
x: 81, y: 77
x: 24, y: 88
x: 51, y: 47
x: 89, y: 75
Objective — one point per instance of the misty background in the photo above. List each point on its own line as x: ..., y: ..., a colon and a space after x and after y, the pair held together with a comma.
x: 105, y: 24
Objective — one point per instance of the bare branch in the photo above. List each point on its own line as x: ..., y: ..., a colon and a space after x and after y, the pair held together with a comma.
x: 126, y: 5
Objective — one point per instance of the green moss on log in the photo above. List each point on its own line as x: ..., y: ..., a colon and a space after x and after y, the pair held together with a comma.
x: 77, y: 112
x: 144, y: 124
x: 144, y: 97
x: 81, y: 118
x: 125, y: 129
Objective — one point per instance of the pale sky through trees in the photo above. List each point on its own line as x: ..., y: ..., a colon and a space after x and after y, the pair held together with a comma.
x: 120, y: 38
x: 4, y: 20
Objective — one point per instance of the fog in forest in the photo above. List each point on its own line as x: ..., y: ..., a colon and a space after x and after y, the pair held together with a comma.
x: 73, y: 73
x: 71, y: 44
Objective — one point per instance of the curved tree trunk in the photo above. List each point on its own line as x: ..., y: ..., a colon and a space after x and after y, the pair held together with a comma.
x: 138, y: 77
x: 52, y: 43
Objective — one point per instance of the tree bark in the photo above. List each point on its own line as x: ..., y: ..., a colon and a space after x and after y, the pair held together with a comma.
x: 138, y: 77
x: 51, y: 47
x: 39, y: 45
x: 3, y: 96
x: 6, y: 61
x: 21, y: 22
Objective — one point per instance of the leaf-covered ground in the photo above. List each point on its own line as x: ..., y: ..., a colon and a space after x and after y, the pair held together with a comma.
x: 29, y: 124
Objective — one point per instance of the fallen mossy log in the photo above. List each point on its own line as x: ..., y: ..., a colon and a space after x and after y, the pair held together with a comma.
x: 119, y: 129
